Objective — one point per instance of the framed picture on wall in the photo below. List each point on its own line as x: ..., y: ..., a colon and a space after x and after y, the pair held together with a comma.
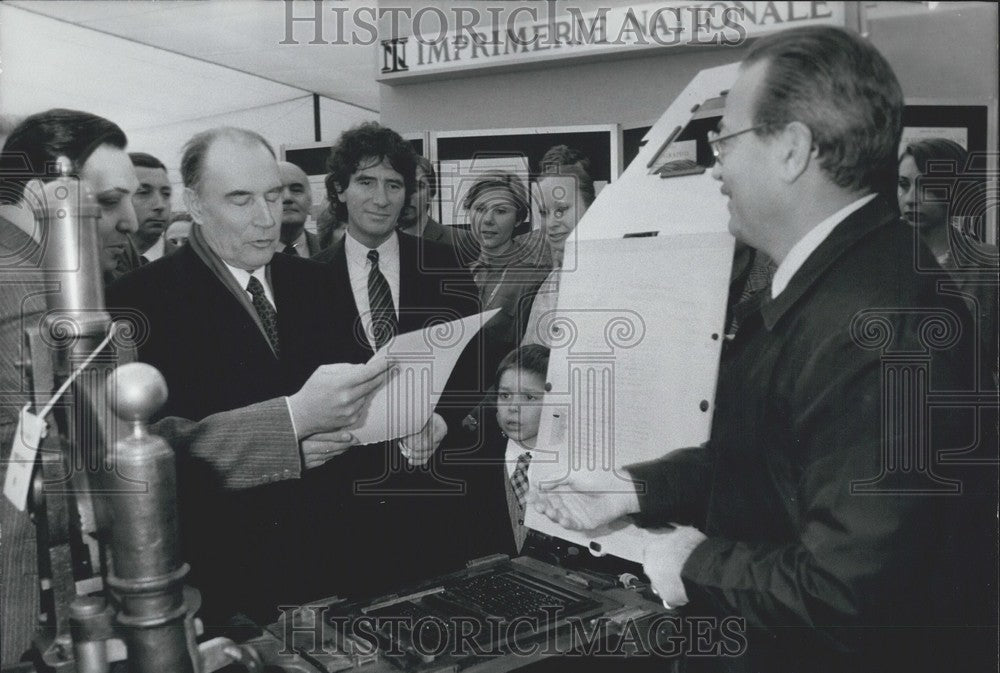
x: 462, y: 155
x: 967, y: 124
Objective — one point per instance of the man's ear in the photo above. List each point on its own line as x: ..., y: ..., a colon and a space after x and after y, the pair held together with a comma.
x: 340, y: 192
x: 193, y: 205
x: 796, y: 150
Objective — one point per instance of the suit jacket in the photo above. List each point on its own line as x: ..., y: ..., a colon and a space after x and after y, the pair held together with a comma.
x: 827, y: 529
x: 229, y: 442
x: 394, y: 524
x: 312, y: 244
x: 973, y: 268
x: 460, y: 241
x: 200, y: 330
x: 21, y: 305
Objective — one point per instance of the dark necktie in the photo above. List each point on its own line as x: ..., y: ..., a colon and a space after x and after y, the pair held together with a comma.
x: 290, y: 250
x: 268, y: 316
x: 383, y: 311
x: 519, y: 480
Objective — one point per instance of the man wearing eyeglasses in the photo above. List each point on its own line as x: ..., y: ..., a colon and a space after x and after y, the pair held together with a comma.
x: 823, y: 510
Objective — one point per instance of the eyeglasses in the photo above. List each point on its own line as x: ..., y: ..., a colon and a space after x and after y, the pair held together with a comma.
x: 715, y: 140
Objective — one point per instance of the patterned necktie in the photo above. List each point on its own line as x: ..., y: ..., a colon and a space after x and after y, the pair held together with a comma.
x: 519, y: 480
x: 290, y: 250
x: 268, y: 316
x: 384, y: 322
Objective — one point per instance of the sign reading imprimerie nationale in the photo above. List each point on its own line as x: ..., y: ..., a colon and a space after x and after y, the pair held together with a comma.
x: 477, y: 36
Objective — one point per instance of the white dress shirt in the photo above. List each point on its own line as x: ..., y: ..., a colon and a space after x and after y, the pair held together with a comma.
x: 242, y: 278
x: 514, y: 451
x: 155, y: 251
x: 358, y: 268
x: 807, y: 245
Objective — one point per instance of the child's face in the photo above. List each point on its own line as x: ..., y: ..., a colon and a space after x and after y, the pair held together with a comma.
x: 519, y: 404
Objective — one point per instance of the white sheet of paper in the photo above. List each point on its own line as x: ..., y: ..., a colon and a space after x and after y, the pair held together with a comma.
x: 423, y: 359
x: 633, y: 376
x: 27, y: 438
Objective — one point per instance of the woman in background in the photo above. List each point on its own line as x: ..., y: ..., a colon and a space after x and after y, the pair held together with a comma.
x: 508, y: 270
x: 942, y: 204
x: 565, y: 190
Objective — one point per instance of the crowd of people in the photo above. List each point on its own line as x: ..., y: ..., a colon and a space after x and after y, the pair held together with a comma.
x: 261, y: 329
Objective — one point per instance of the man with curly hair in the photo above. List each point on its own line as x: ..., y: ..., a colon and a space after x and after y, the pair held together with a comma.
x: 402, y: 503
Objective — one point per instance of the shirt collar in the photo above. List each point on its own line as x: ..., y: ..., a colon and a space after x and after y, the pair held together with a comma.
x: 806, y: 245
x: 357, y: 253
x: 513, y: 452
x: 155, y: 251
x: 242, y: 276
x: 878, y: 213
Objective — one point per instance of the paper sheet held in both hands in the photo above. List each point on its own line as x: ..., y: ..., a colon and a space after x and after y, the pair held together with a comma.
x: 423, y: 362
x: 632, y: 373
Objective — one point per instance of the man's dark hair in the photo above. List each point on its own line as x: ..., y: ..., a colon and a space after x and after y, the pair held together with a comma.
x: 367, y: 141
x: 424, y: 164
x: 193, y: 160
x: 844, y: 90
x: 531, y: 358
x: 143, y: 160
x: 34, y: 145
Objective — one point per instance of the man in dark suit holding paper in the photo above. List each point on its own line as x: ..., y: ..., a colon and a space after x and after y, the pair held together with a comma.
x: 840, y: 529
x: 228, y: 324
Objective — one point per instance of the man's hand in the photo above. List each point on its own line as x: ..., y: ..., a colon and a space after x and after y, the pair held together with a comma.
x: 334, y: 397
x: 585, y: 500
x: 663, y: 558
x: 323, y: 446
x: 418, y: 448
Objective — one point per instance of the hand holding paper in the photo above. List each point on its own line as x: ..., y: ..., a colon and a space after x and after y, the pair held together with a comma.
x: 585, y: 500
x: 422, y: 363
x: 321, y: 447
x: 419, y: 448
x: 335, y: 396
